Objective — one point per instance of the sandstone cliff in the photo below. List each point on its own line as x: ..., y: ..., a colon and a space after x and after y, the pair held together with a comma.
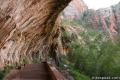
x: 105, y: 19
x: 28, y: 29
x: 75, y: 9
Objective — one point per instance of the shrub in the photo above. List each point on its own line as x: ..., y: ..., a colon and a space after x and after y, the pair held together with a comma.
x: 6, y: 70
x: 98, y: 57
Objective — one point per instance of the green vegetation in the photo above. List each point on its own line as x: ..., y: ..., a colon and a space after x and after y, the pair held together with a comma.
x: 71, y: 22
x: 96, y: 59
x: 5, y: 70
x: 76, y: 74
x: 98, y: 56
x: 2, y: 74
x: 73, y: 70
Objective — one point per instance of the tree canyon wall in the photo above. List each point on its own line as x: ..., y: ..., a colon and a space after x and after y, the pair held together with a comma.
x: 104, y: 18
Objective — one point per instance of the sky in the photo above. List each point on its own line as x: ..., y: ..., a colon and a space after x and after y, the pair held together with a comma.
x: 96, y: 4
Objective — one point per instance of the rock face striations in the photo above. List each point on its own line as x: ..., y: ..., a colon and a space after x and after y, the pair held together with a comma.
x: 28, y: 29
x: 106, y: 18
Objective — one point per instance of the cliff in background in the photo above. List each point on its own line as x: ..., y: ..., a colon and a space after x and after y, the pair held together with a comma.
x: 105, y: 18
x: 75, y: 9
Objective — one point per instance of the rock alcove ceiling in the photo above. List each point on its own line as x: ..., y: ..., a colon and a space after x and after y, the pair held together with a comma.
x: 28, y: 29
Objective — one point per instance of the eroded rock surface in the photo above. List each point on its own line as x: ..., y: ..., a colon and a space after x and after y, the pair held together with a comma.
x: 28, y: 29
x: 107, y: 19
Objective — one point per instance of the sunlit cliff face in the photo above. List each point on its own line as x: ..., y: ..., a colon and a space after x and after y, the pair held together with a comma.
x: 75, y: 9
x: 28, y: 29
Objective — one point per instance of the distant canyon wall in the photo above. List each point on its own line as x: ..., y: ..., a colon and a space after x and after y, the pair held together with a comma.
x: 106, y: 19
x: 75, y: 9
